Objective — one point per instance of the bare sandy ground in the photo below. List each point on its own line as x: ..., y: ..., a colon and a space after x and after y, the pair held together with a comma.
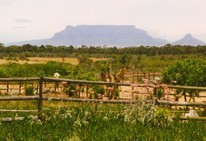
x: 143, y: 93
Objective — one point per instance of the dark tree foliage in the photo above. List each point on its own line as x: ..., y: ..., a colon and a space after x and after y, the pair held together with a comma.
x: 68, y: 51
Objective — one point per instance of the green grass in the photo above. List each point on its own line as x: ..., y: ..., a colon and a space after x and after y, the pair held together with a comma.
x: 100, y: 122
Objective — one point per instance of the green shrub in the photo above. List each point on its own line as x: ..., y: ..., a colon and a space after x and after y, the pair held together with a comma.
x: 116, y: 93
x: 189, y: 72
x: 70, y: 90
x: 29, y: 90
x: 98, y: 89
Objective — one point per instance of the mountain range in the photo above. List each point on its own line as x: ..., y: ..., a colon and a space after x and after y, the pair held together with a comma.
x: 109, y: 35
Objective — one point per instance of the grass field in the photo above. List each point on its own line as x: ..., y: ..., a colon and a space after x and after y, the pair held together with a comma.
x: 37, y: 60
x: 100, y: 122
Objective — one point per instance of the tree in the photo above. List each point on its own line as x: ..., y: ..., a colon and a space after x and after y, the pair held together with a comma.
x: 124, y: 59
x: 189, y: 72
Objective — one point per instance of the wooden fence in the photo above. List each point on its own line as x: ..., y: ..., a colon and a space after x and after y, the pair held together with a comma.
x: 40, y: 85
x: 138, y: 76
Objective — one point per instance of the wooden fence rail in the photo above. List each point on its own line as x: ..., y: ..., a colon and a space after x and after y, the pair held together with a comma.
x: 15, y: 98
x: 41, y: 80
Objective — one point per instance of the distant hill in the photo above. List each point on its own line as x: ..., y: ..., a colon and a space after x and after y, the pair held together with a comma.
x: 99, y: 35
x: 188, y: 39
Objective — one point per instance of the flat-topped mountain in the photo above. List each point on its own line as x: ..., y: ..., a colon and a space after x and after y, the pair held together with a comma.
x: 188, y: 39
x: 100, y: 35
x: 111, y: 35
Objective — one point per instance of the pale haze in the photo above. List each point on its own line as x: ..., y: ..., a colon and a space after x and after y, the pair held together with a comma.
x: 22, y: 20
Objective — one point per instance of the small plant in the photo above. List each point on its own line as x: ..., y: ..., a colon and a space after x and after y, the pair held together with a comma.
x: 12, y: 58
x: 71, y: 90
x: 29, y: 90
x: 116, y: 93
x: 98, y: 90
x: 147, y: 115
x: 160, y: 93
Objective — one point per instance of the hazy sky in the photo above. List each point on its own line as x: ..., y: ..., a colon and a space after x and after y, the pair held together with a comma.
x: 38, y: 19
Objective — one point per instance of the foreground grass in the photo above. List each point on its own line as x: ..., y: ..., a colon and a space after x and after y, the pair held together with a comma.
x: 96, y: 122
x: 100, y: 130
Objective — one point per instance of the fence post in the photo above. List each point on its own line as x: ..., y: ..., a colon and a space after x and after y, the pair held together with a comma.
x: 7, y: 86
x: 40, y: 98
x: 20, y: 87
x: 87, y: 90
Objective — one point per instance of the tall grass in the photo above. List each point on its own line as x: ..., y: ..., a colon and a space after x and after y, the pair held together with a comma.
x: 104, y: 122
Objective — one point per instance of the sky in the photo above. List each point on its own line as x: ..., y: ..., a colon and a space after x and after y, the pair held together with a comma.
x: 22, y: 20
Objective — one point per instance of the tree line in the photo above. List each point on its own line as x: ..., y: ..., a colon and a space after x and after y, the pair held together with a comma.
x: 28, y: 50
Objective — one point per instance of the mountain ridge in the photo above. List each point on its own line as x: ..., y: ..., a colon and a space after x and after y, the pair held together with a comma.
x: 109, y: 35
x: 98, y: 35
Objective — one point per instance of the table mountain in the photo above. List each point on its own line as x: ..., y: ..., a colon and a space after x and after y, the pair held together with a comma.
x: 99, y: 35
x: 111, y: 35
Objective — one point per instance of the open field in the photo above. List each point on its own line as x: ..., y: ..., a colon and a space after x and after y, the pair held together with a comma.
x: 39, y: 60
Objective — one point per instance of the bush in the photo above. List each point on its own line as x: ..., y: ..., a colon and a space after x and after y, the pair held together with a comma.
x: 29, y: 91
x: 98, y: 90
x: 189, y: 72
x: 186, y: 72
x: 70, y: 90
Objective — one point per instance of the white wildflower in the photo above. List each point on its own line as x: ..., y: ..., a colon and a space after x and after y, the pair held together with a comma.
x: 85, y: 123
x: 105, y: 118
x: 77, y: 123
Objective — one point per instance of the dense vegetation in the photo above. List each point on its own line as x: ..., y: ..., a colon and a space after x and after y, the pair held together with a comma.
x: 135, y: 59
x: 71, y: 51
x: 32, y: 70
x: 104, y: 122
x: 87, y: 69
x: 190, y: 72
x: 187, y: 72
